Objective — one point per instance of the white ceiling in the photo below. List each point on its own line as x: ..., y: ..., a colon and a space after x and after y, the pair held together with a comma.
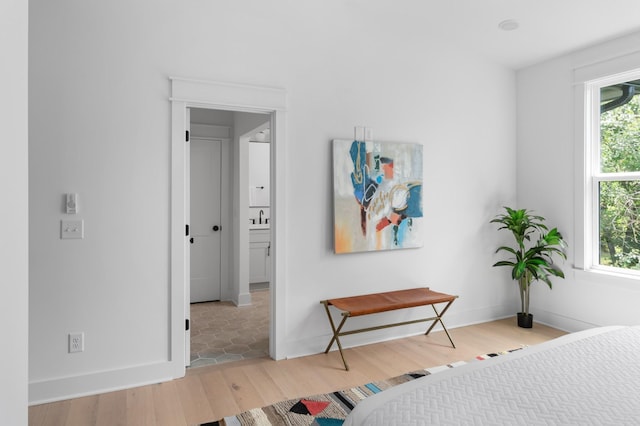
x: 548, y: 28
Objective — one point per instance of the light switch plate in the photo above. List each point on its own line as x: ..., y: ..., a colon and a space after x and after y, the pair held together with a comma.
x: 72, y: 203
x: 71, y: 229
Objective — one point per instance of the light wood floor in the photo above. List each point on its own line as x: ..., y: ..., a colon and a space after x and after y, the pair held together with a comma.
x: 212, y: 392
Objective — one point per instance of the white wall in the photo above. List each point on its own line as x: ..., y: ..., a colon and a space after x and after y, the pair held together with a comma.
x: 100, y: 126
x: 545, y: 165
x: 14, y: 288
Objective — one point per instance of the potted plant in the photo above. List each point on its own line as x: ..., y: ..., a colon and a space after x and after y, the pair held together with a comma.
x: 532, y: 258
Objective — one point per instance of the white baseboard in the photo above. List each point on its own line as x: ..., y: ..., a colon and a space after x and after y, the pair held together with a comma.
x: 62, y: 388
x: 561, y: 322
x: 259, y: 286
x: 244, y: 299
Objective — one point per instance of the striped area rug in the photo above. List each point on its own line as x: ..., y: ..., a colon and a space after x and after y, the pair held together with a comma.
x: 327, y: 409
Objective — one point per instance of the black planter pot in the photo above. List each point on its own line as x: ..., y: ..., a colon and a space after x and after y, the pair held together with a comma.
x: 525, y: 320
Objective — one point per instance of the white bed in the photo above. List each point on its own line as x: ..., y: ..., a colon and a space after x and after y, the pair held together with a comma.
x: 587, y: 378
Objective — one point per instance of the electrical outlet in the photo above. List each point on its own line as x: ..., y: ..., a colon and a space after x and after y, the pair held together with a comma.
x: 76, y: 342
x: 71, y: 229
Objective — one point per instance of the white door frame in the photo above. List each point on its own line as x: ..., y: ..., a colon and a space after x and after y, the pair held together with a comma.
x: 187, y: 93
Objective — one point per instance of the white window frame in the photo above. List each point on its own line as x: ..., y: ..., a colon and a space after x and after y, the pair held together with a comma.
x: 588, y: 81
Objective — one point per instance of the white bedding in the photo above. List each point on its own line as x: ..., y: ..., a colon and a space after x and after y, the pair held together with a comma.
x: 587, y: 378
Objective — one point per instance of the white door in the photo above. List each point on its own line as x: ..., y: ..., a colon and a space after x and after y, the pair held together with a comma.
x: 205, y: 226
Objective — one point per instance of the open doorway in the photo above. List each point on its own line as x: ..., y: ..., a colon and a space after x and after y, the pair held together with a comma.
x: 187, y: 94
x: 229, y: 316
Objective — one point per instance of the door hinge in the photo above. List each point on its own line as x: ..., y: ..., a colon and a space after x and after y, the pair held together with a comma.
x: 186, y: 230
x: 186, y: 324
x: 186, y: 136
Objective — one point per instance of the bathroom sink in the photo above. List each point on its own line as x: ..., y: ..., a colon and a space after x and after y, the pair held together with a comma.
x: 259, y: 226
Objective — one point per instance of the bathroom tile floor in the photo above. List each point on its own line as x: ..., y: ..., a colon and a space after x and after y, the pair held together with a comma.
x: 222, y: 332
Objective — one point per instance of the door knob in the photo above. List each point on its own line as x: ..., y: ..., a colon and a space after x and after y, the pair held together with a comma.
x: 216, y: 228
x: 191, y: 240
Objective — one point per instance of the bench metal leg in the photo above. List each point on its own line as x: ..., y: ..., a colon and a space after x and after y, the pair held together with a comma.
x: 336, y: 334
x: 438, y: 318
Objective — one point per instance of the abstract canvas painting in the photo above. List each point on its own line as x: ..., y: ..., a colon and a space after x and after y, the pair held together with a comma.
x: 377, y: 195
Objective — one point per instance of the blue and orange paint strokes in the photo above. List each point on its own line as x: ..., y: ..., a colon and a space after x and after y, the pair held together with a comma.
x: 377, y: 196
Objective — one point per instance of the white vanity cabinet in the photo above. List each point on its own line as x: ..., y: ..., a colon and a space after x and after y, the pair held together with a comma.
x: 259, y: 255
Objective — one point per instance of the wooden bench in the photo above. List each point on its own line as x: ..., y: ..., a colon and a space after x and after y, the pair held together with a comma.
x: 382, y: 302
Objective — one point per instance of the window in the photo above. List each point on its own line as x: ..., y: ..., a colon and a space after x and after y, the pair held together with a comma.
x: 613, y: 175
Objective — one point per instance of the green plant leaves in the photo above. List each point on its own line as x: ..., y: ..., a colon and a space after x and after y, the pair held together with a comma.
x: 535, y: 261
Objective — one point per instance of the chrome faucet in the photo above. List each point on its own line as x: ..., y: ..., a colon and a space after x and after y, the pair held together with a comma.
x: 260, y: 217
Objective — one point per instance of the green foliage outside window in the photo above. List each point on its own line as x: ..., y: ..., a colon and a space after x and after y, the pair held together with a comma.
x: 620, y: 199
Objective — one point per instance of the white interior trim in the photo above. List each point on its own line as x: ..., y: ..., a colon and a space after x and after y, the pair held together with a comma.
x: 77, y: 386
x: 608, y: 69
x: 588, y: 79
x: 227, y: 96
x: 187, y: 93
